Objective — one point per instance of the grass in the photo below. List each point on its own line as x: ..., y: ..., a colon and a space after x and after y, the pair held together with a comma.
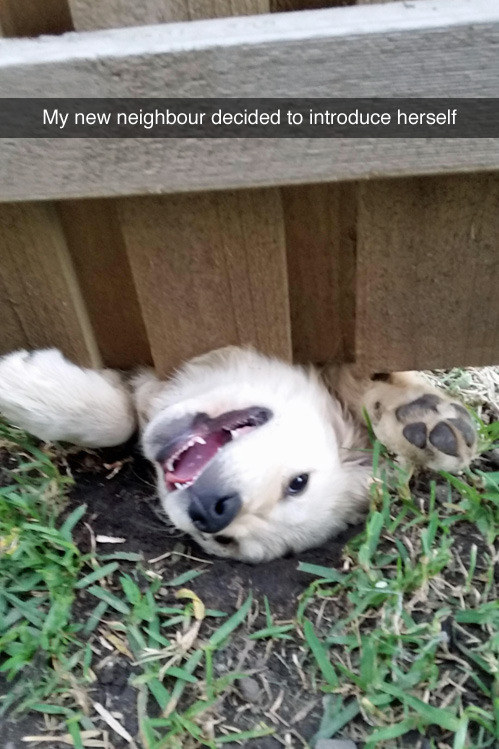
x: 414, y: 637
x: 49, y: 658
x: 402, y: 640
x: 39, y: 567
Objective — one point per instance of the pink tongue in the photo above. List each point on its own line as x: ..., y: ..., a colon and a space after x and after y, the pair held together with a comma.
x: 193, y: 460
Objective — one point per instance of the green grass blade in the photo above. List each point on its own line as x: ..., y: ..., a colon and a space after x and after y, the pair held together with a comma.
x: 97, y: 574
x: 320, y: 654
x: 113, y: 601
x: 231, y: 624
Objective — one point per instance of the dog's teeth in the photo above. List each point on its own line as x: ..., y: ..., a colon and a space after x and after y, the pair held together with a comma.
x: 200, y: 440
x: 178, y: 485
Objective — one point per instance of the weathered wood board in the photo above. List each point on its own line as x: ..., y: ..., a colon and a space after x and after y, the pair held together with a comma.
x: 210, y: 270
x: 254, y: 265
x: 96, y: 246
x: 40, y: 300
x: 41, y: 304
x: 426, y: 47
x: 428, y: 273
x: 88, y: 14
x: 32, y: 17
x: 180, y: 326
x: 320, y: 223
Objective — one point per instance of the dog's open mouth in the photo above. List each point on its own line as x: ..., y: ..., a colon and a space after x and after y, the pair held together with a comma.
x: 191, y: 452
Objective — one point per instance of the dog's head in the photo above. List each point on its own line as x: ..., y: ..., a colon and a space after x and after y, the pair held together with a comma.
x: 254, y: 457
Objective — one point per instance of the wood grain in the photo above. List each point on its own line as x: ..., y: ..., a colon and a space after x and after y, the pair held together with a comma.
x: 277, y: 54
x: 88, y: 14
x: 43, y: 169
x: 93, y: 228
x: 285, y: 6
x: 426, y: 46
x: 32, y: 17
x: 428, y: 273
x: 210, y: 271
x: 40, y: 303
x: 376, y: 2
x: 40, y: 300
x: 106, y: 291
x: 320, y: 223
x: 96, y: 247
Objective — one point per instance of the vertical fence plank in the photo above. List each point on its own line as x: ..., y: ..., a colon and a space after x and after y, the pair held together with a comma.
x: 428, y: 272
x: 281, y: 6
x: 93, y: 227
x: 40, y: 299
x: 96, y: 246
x: 198, y: 9
x: 89, y: 14
x: 320, y: 223
x: 6, y: 22
x: 32, y: 17
x: 98, y: 265
x: 210, y: 270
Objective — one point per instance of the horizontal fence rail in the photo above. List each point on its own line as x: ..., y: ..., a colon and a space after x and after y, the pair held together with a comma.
x: 440, y: 48
x: 398, y: 273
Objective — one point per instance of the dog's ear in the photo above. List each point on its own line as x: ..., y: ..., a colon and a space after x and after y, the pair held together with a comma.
x: 146, y: 389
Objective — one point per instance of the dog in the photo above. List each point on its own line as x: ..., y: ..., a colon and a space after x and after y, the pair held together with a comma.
x: 254, y: 457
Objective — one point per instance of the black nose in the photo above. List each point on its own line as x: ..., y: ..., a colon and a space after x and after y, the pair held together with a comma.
x: 211, y: 513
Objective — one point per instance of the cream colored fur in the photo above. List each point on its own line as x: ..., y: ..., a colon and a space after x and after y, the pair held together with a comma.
x: 309, y: 432
x: 43, y: 393
x: 317, y: 428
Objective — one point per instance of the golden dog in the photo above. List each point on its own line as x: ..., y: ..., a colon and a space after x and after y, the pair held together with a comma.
x: 254, y: 457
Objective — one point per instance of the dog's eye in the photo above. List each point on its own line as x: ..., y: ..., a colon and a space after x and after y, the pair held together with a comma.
x: 298, y: 484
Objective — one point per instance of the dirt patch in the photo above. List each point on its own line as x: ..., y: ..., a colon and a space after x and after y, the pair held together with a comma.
x: 118, y: 488
x: 124, y: 505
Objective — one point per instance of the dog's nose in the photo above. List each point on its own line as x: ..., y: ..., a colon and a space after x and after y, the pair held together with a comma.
x: 211, y: 513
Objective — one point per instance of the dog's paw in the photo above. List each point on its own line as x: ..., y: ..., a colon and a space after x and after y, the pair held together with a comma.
x: 425, y: 428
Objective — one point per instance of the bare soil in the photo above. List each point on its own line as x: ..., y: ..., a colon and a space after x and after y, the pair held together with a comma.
x: 124, y: 505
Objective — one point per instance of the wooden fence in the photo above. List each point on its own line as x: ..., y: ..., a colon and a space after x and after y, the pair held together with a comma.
x: 138, y: 251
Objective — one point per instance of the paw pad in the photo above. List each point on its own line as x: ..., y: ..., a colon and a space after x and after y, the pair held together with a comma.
x: 437, y: 427
x: 427, y: 402
x: 415, y: 433
x: 465, y: 427
x: 425, y: 428
x: 443, y: 438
